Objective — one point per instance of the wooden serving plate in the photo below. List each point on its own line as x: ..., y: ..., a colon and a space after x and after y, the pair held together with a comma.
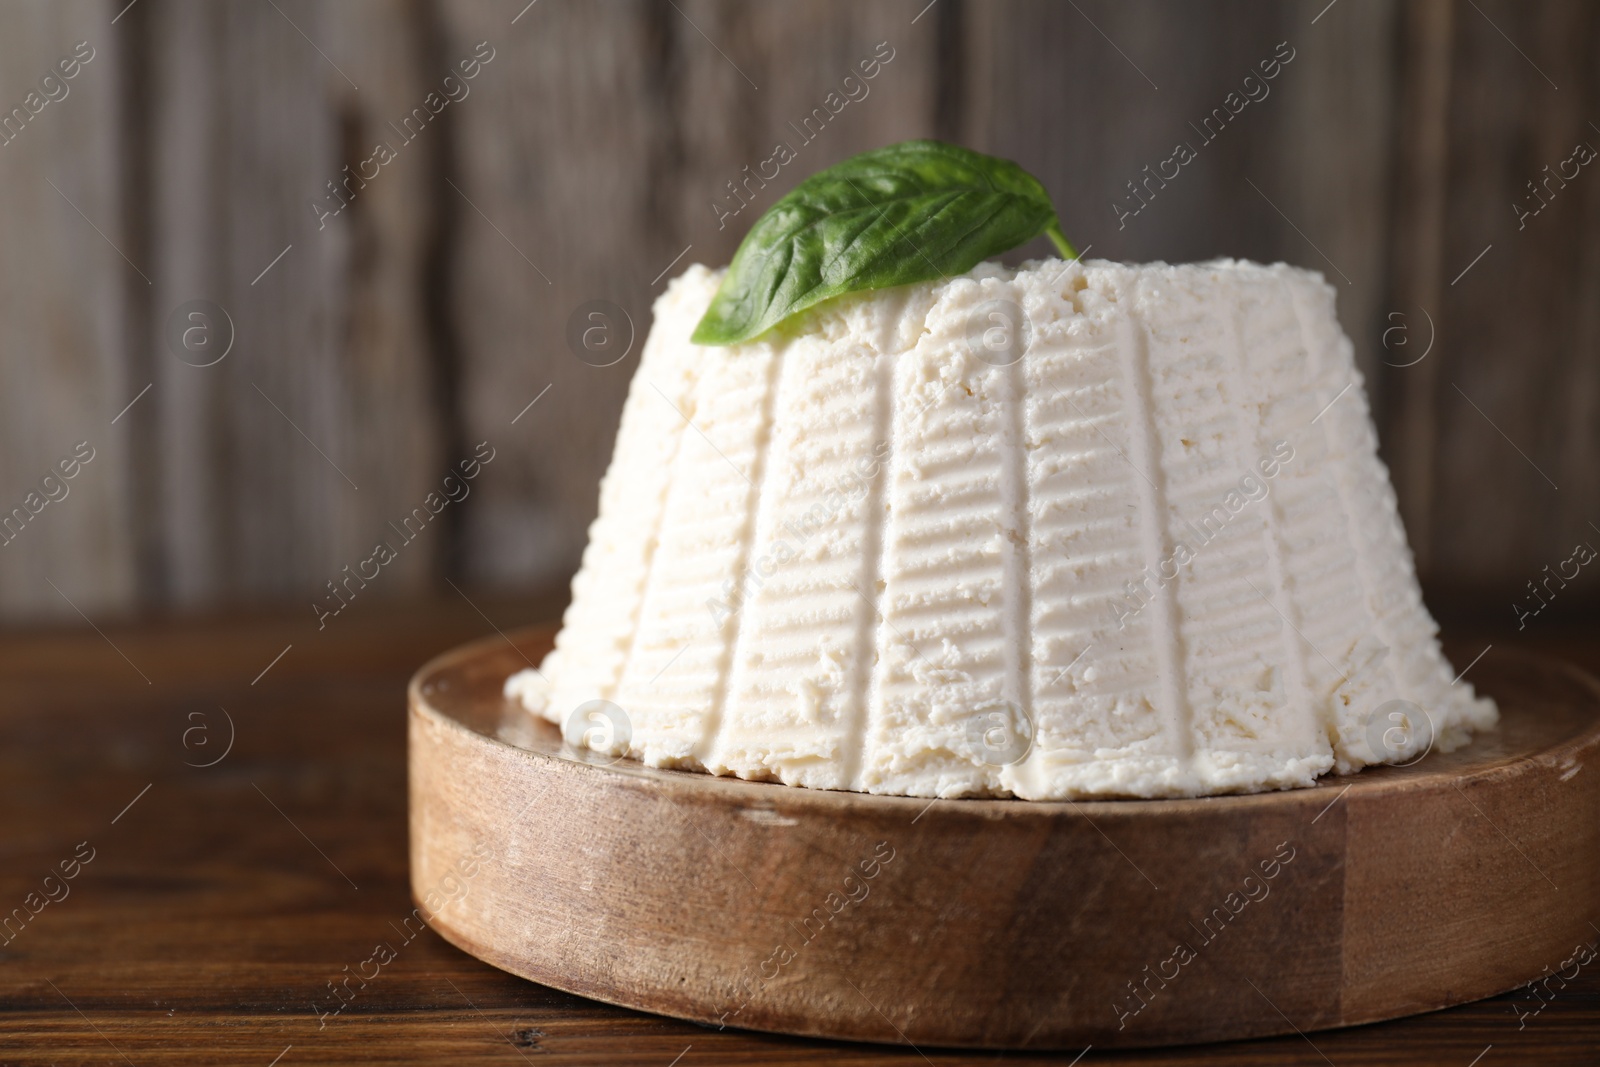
x: 1003, y: 923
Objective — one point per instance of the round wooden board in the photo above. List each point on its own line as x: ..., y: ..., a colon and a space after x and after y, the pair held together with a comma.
x: 1003, y: 923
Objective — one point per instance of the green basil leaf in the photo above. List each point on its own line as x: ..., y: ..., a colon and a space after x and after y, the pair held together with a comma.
x: 910, y: 212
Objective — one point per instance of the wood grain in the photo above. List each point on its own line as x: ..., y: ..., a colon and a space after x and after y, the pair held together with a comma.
x: 282, y: 463
x: 207, y: 925
x: 1515, y: 464
x: 63, y: 282
x: 593, y: 178
x: 586, y: 159
x: 1409, y: 381
x: 901, y: 920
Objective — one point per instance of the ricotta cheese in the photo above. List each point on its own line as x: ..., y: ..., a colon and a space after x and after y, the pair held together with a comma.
x: 1070, y: 530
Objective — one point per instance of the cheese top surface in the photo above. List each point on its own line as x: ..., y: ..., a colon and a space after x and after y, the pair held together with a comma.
x: 1070, y: 530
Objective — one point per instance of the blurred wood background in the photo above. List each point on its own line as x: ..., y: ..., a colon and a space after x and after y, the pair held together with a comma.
x: 583, y: 164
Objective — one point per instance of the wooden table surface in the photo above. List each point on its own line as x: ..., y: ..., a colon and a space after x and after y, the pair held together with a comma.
x: 213, y: 906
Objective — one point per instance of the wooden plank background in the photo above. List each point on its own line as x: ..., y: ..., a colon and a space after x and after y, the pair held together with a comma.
x: 585, y: 158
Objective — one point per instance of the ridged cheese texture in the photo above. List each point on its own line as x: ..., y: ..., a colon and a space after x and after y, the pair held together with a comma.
x: 1139, y: 545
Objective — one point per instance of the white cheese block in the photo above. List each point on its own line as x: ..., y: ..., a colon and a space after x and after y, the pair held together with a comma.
x: 1071, y: 530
